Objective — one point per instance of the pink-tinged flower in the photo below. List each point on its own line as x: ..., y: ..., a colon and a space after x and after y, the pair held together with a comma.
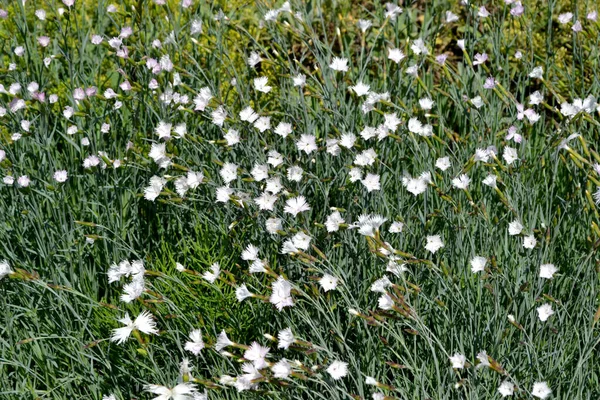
x: 43, y: 41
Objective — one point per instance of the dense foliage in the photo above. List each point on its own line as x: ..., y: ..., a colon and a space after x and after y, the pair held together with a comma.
x: 309, y: 199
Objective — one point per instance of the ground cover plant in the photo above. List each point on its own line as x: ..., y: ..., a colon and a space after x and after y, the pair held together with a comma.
x: 304, y: 199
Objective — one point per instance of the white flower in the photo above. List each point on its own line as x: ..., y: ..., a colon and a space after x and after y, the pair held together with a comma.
x: 23, y: 181
x: 462, y: 182
x: 228, y: 172
x: 195, y: 344
x: 248, y: 114
x: 392, y: 11
x: 434, y: 243
x: 282, y: 369
x: 213, y: 273
x: 285, y: 338
x: 368, y: 224
x: 339, y: 64
x: 158, y: 154
x: 356, y: 175
x: 202, y: 99
x: 478, y: 264
x: 163, y: 130
x: 483, y: 12
x: 222, y: 341
x: 506, y: 388
x: 415, y: 186
x: 415, y: 126
x: 224, y: 194
x: 418, y: 47
x: 41, y: 14
x: 483, y: 358
x: 347, y: 140
x: 328, y: 282
x: 283, y: 129
x: 514, y: 228
x: 545, y: 311
x: 391, y: 121
x: 250, y: 253
x: 296, y: 205
x: 307, y: 143
x: 257, y: 353
x: 536, y: 98
x: 254, y: 59
x: 294, y: 173
x: 260, y: 172
x: 143, y: 323
x: 165, y: 63
x: 299, y: 80
x: 273, y: 225
x: 332, y: 147
x: 232, y: 137
x: 257, y: 266
x: 426, y: 103
x: 334, y: 220
x: 196, y: 27
x: 510, y: 155
x: 547, y: 271
x: 281, y: 296
x: 273, y: 185
x: 180, y: 130
x: 481, y: 155
x: 133, y: 289
x: 532, y: 116
x: 458, y: 361
x: 301, y: 240
x: 443, y: 163
x: 381, y: 284
x: 371, y: 182
x: 5, y: 269
x: 480, y: 58
x: 194, y: 179
x: 263, y: 123
x: 565, y: 18
x: 61, y: 176
x: 541, y: 390
x: 490, y: 181
x: 218, y: 116
x: 477, y: 102
x: 338, y: 369
x: 117, y: 271
x: 183, y: 391
x: 360, y: 89
x: 365, y: 158
x: 396, y: 55
x: 364, y: 24
x: 529, y: 242
x: 242, y: 293
x: 271, y: 15
x: 451, y: 17
x: 537, y: 72
x: 385, y: 302
x: 266, y: 201
x: 274, y: 158
x: 396, y: 227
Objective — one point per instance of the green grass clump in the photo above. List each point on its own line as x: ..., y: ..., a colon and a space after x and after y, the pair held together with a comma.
x: 448, y: 161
